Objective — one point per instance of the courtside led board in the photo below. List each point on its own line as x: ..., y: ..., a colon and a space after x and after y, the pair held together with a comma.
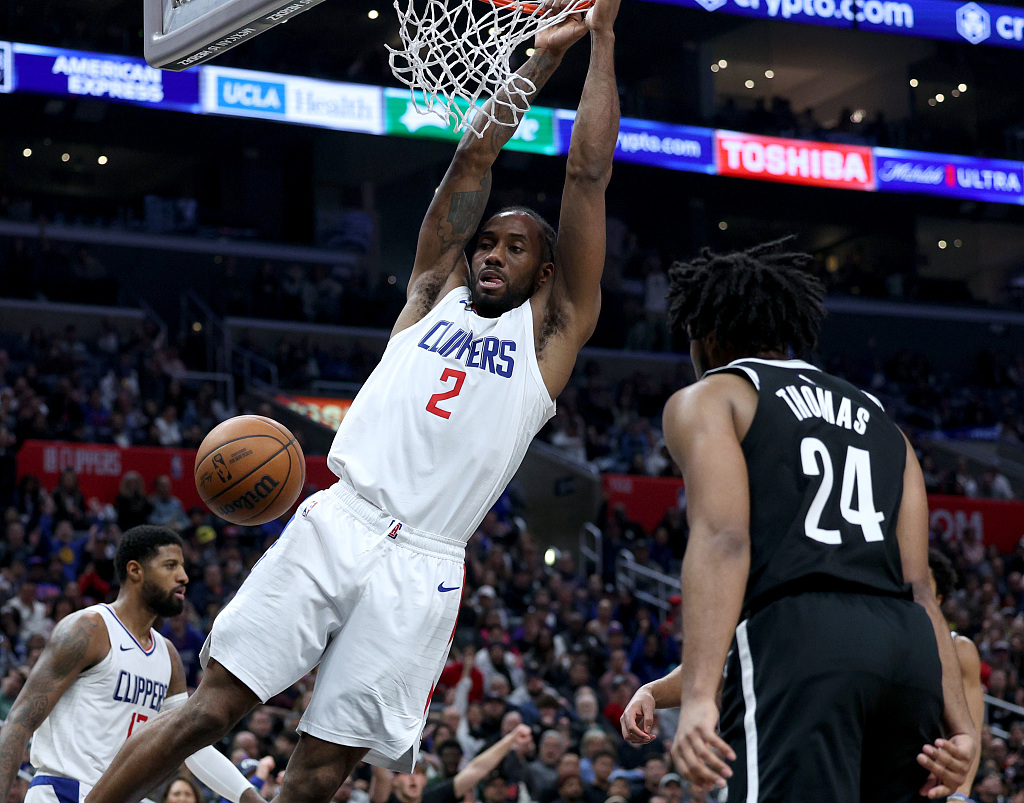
x: 182, y: 33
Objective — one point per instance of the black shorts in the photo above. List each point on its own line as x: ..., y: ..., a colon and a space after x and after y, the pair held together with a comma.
x: 830, y: 697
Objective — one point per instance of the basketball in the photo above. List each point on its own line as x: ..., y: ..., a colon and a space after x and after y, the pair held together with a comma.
x: 250, y: 470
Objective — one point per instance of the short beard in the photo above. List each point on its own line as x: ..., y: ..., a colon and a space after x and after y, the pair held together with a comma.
x: 161, y: 604
x: 494, y: 307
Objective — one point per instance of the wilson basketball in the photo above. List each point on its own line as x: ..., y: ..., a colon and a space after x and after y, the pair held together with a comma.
x: 250, y: 470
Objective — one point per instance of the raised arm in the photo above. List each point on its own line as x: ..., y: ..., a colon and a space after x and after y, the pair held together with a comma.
x: 457, y: 206
x: 480, y: 767
x: 580, y: 251
x: 948, y: 760
x: 78, y: 642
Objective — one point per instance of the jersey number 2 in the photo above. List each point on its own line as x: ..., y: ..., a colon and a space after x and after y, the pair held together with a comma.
x: 449, y: 373
x: 856, y: 477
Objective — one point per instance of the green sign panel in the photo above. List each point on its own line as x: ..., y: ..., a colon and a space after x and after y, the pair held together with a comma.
x: 536, y: 132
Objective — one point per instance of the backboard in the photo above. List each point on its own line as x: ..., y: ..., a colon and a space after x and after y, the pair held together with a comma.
x: 182, y: 33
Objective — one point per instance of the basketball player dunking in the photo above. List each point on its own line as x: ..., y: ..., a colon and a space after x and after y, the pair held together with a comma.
x: 103, y: 675
x: 366, y: 579
x: 808, y: 557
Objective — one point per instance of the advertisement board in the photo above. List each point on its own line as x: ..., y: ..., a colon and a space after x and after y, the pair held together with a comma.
x: 673, y: 147
x: 290, y: 99
x: 120, y: 79
x: 536, y: 132
x: 6, y: 67
x: 950, y: 20
x: 321, y: 409
x: 794, y: 161
x: 967, y: 177
x: 100, y: 468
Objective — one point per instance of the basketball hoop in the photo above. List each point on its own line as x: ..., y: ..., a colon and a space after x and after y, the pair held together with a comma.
x: 461, y: 50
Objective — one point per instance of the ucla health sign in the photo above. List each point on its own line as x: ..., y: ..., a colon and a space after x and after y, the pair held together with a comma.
x: 977, y: 23
x: 121, y: 79
x: 968, y: 177
x: 327, y: 104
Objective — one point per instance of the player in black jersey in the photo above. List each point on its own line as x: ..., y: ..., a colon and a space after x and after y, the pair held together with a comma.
x: 807, y: 555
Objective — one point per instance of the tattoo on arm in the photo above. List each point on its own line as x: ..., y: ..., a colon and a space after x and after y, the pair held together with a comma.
x: 64, y: 655
x: 464, y: 212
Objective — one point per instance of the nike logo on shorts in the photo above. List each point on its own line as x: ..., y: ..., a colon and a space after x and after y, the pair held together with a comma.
x: 442, y: 589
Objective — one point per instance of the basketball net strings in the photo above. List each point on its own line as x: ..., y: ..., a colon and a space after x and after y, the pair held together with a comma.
x: 454, y: 61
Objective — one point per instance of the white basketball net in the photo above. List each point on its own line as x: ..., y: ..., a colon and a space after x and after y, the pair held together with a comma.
x: 459, y: 54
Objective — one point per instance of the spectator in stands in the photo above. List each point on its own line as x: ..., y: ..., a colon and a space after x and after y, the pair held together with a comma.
x: 188, y: 641
x: 132, y: 506
x: 181, y: 790
x: 31, y: 612
x: 209, y: 595
x: 167, y: 508
x: 69, y: 501
x: 994, y: 484
x: 618, y: 670
x: 570, y: 788
x: 603, y: 764
x: 167, y: 427
x: 10, y: 687
x: 542, y: 772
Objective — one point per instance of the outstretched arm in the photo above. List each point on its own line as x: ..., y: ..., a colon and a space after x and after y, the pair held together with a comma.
x: 457, y: 206
x: 580, y: 252
x: 78, y: 642
x: 476, y: 770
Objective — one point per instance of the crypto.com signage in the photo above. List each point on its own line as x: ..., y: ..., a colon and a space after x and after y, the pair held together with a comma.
x: 977, y: 23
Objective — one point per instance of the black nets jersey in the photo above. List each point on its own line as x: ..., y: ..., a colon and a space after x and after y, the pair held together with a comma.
x: 825, y: 466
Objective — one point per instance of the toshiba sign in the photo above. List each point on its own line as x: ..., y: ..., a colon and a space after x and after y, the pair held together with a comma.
x: 794, y: 161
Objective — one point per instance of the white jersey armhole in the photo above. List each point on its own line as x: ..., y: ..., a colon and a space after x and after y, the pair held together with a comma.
x: 531, y: 346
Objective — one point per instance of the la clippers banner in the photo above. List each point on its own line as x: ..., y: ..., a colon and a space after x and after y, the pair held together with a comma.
x: 995, y: 180
x: 794, y: 161
x: 100, y: 468
x: 121, y: 79
x: 1001, y: 523
x: 976, y: 23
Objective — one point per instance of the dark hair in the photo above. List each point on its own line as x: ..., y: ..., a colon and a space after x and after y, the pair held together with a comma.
x: 548, y: 233
x: 448, y: 744
x: 943, y: 572
x: 140, y: 544
x: 195, y: 789
x: 757, y: 300
x: 607, y: 753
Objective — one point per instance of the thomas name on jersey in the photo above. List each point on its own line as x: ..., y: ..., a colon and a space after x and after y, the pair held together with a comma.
x: 485, y: 353
x: 805, y: 402
x: 139, y: 690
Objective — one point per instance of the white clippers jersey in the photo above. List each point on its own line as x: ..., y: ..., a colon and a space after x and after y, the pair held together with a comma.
x: 445, y: 419
x: 90, y: 722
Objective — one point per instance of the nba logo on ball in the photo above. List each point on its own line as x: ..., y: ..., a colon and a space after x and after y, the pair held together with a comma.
x: 267, y: 470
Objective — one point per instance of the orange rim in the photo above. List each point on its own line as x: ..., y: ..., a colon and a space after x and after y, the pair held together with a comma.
x: 529, y: 8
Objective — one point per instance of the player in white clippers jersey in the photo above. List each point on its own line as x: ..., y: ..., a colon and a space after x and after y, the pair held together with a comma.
x: 104, y: 674
x: 366, y: 579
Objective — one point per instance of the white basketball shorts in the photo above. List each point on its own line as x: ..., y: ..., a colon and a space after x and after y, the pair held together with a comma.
x: 371, y: 600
